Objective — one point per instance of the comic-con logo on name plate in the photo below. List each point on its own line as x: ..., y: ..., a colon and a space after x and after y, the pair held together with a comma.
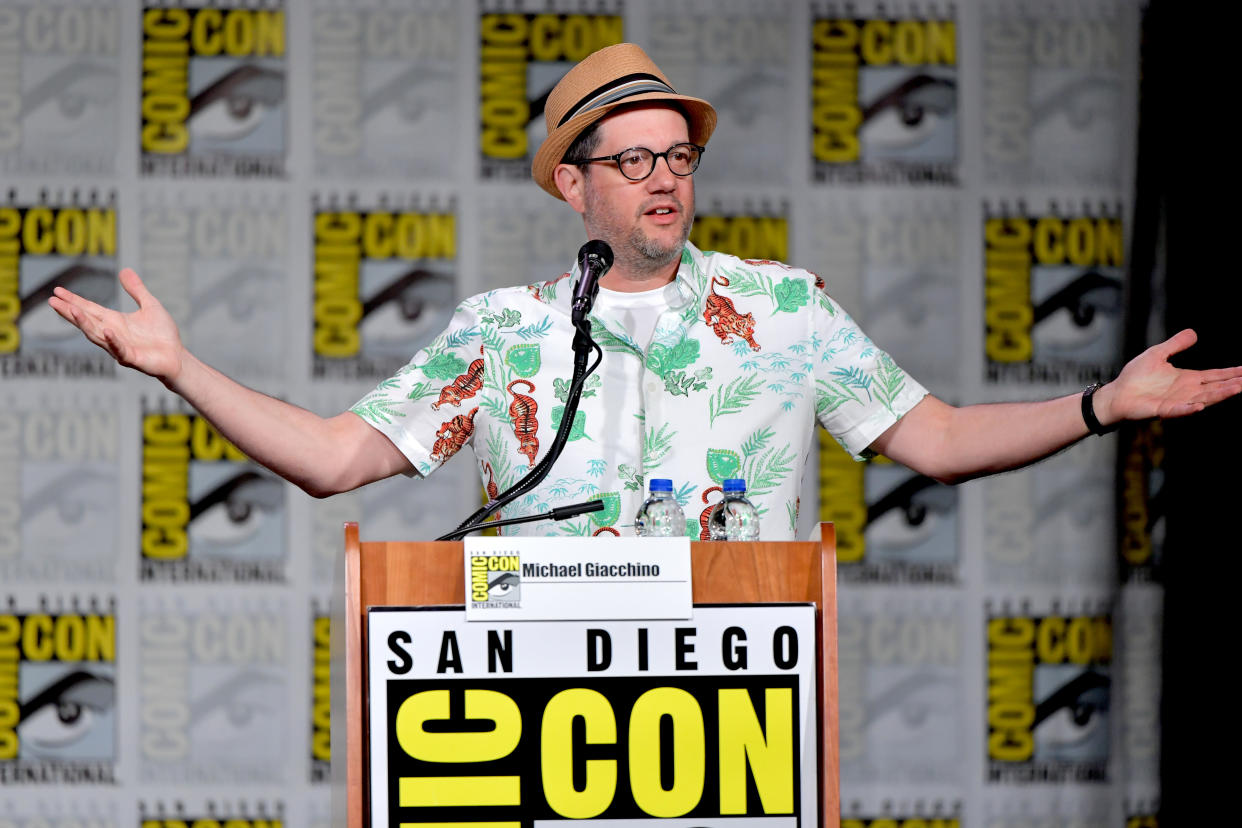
x: 496, y: 581
x: 521, y: 57
x: 884, y: 100
x: 58, y: 697
x: 42, y: 246
x: 213, y: 91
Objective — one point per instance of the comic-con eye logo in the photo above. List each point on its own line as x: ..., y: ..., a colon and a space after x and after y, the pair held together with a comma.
x: 495, y: 580
x: 892, y: 526
x: 521, y: 57
x: 384, y: 286
x: 213, y: 91
x: 884, y: 100
x: 1053, y: 98
x: 57, y: 697
x: 208, y: 513
x: 1053, y: 298
x: 58, y: 96
x: 43, y: 246
x: 1048, y: 698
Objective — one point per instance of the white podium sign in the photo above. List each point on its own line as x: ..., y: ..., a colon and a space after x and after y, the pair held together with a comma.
x: 700, y: 722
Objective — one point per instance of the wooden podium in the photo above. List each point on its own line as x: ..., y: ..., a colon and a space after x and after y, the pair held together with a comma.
x: 404, y: 573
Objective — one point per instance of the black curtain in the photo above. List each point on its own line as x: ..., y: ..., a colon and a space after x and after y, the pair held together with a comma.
x: 1188, y: 224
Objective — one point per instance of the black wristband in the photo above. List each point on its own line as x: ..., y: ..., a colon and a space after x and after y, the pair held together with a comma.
x: 1088, y: 412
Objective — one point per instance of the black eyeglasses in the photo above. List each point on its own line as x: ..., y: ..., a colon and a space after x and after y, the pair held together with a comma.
x: 636, y: 163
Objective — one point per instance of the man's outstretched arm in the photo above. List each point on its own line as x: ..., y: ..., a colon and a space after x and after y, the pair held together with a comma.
x: 954, y: 444
x: 321, y: 455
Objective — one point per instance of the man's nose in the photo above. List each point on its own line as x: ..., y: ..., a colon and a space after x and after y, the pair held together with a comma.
x: 662, y: 178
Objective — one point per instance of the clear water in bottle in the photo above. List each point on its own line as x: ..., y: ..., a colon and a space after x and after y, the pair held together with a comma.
x: 660, y: 516
x: 734, y: 518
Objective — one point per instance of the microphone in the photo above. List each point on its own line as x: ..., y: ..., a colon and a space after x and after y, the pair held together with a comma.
x: 594, y: 260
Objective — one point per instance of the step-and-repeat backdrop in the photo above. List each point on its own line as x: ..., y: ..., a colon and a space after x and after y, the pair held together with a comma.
x: 310, y: 187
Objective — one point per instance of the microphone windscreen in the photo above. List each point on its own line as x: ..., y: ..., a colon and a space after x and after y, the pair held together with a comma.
x: 597, y: 253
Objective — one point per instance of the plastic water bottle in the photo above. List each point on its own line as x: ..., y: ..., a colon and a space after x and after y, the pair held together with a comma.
x: 734, y: 518
x: 660, y: 516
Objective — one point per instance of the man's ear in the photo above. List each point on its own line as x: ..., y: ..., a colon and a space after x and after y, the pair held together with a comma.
x: 571, y: 181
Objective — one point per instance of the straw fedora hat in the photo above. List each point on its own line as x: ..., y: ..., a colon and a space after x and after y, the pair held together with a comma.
x: 599, y: 83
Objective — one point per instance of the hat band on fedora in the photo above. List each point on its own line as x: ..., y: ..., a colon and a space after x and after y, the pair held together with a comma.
x: 618, y: 89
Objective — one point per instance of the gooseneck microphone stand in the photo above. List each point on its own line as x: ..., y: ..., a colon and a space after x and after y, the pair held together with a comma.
x: 583, y: 345
x: 479, y: 520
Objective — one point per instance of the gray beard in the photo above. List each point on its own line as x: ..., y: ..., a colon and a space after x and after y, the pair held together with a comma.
x: 645, y: 255
x: 652, y: 256
x: 635, y: 251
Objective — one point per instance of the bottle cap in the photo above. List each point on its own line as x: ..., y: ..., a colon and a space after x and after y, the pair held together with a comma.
x: 734, y: 484
x: 661, y: 484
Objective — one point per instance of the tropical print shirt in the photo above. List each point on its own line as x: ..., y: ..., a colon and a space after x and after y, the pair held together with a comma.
x: 745, y: 359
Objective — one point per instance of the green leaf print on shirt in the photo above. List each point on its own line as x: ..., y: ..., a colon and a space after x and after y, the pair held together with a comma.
x: 502, y: 467
x: 722, y: 464
x: 611, y: 512
x: 757, y: 441
x: 661, y: 358
x: 609, y: 341
x: 492, y: 340
x: 419, y: 390
x: 525, y: 360
x: 680, y: 385
x: 656, y: 444
x: 748, y: 283
x: 537, y: 330
x: 765, y: 470
x: 831, y: 396
x: 577, y: 431
x: 734, y: 397
x: 505, y: 319
x: 633, y: 480
x: 560, y: 387
x: 890, y: 380
x: 378, y: 407
x: 445, y: 366
x: 456, y: 339
x: 790, y: 295
x: 854, y: 377
x: 576, y: 528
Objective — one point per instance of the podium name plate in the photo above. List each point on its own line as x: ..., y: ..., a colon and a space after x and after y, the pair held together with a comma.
x: 566, y: 579
x: 702, y: 721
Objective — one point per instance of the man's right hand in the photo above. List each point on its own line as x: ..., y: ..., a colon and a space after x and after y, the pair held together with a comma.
x: 323, y: 456
x: 146, y: 340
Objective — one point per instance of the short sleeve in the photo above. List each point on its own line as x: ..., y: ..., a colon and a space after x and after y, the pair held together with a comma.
x: 428, y: 407
x: 859, y: 390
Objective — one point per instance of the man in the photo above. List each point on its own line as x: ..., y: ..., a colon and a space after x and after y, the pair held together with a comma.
x: 712, y: 367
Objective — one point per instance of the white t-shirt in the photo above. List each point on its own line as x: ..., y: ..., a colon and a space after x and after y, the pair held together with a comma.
x: 638, y: 312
